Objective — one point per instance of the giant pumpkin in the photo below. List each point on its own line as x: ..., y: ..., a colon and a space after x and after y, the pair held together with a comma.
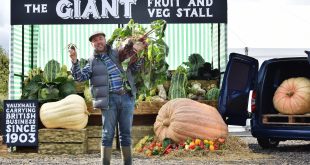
x: 183, y: 118
x: 70, y: 113
x: 292, y: 97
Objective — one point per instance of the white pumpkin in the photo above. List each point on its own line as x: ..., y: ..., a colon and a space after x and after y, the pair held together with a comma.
x: 70, y: 113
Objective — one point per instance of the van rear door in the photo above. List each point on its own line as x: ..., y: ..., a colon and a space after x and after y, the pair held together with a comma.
x: 239, y: 78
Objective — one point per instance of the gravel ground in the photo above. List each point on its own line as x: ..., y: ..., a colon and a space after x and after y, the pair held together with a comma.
x: 288, y: 152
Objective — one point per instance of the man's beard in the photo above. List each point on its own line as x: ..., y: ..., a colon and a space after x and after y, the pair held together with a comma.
x: 101, y: 51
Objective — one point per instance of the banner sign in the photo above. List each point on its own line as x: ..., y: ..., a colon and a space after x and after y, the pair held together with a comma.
x: 117, y: 11
x: 20, y: 121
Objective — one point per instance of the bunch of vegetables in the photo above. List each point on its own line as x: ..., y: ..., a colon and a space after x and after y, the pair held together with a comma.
x: 158, y: 94
x: 198, y: 69
x: 154, y: 70
x: 54, y: 83
x: 213, y: 93
x: 150, y: 146
x: 195, y: 91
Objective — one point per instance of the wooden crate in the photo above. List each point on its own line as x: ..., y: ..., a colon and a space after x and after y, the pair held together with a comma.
x: 213, y: 103
x: 287, y: 119
x: 94, y: 140
x: 138, y: 132
x: 94, y: 137
x: 3, y: 147
x: 92, y: 110
x: 93, y: 145
x: 148, y: 107
x: 152, y: 107
x: 62, y: 141
x: 204, y: 83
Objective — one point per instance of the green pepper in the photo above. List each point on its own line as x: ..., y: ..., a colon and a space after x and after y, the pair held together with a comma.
x: 155, y: 152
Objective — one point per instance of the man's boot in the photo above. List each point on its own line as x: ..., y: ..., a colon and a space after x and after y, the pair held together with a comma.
x: 126, y: 155
x: 106, y: 155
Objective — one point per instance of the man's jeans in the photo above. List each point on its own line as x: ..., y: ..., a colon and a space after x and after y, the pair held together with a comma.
x: 120, y: 110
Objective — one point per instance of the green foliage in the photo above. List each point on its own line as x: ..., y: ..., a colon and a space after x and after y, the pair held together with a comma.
x: 59, y: 85
x: 4, y: 72
x: 87, y: 94
x: 50, y: 70
x: 154, y: 70
x: 62, y: 75
x: 166, y: 142
x: 195, y: 61
x: 32, y: 87
x: 49, y: 93
x: 67, y: 88
x: 83, y: 62
x: 213, y: 94
x: 159, y: 27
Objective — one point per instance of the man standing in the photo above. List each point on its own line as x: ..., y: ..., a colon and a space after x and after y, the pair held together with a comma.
x: 113, y: 90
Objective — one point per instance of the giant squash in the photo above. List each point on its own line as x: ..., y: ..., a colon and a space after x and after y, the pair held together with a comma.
x: 183, y: 118
x: 70, y: 113
x: 292, y: 97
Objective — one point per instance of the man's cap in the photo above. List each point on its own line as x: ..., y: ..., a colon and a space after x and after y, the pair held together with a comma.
x: 95, y: 34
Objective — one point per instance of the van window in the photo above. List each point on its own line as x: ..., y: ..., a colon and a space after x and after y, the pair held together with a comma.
x: 236, y: 79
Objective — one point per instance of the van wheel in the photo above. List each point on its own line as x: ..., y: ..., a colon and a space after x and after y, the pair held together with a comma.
x: 266, y: 143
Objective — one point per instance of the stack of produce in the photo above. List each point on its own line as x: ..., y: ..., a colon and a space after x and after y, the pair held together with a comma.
x: 198, y: 69
x: 151, y: 146
x: 212, y: 93
x: 195, y: 91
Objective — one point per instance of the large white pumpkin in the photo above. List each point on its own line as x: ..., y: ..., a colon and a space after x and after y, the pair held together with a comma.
x: 70, y: 113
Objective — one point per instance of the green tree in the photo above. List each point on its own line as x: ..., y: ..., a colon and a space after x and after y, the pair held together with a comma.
x: 4, y: 73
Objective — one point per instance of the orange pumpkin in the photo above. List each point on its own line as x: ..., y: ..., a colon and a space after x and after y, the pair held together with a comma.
x: 293, y: 96
x: 183, y: 118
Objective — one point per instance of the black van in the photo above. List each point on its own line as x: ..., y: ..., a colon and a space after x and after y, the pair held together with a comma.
x: 267, y: 125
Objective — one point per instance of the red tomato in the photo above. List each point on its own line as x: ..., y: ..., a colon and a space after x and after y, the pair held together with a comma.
x: 221, y: 140
x: 158, y: 144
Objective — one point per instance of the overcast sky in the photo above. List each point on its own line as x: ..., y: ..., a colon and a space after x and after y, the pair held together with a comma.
x: 252, y: 23
x: 5, y: 24
x: 269, y: 23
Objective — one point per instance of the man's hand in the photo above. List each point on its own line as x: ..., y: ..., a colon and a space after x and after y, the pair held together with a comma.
x: 138, y: 46
x: 73, y: 55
